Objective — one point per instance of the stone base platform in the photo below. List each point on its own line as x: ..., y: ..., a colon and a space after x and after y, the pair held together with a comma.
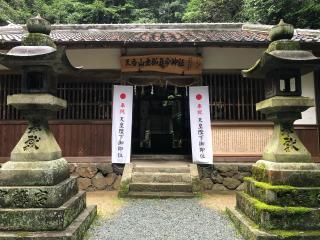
x: 250, y: 231
x: 75, y: 231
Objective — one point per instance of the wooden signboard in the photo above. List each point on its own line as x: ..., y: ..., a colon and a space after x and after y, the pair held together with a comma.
x: 178, y: 64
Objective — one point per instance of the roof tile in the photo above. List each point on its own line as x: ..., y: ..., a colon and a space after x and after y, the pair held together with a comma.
x: 164, y: 33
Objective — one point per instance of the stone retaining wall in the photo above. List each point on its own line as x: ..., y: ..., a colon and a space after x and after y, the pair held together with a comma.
x: 107, y: 176
x: 97, y: 176
x: 224, y: 176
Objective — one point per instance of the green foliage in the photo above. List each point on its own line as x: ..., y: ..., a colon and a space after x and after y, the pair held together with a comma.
x: 213, y: 11
x: 301, y: 13
x: 93, y: 11
x: 171, y: 11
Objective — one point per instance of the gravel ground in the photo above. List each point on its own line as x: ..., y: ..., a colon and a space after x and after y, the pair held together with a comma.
x: 170, y: 219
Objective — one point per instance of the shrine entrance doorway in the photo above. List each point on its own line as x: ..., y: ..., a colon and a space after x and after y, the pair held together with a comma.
x: 161, y: 120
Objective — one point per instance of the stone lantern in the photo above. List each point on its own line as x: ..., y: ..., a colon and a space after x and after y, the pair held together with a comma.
x: 38, y: 198
x: 281, y: 200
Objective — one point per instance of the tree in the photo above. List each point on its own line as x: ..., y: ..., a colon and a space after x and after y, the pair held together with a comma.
x: 213, y: 11
x: 301, y: 13
x: 143, y: 15
x: 171, y: 11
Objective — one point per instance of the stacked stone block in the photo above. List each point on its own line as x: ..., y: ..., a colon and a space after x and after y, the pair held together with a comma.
x: 97, y: 176
x: 224, y: 176
x: 281, y: 201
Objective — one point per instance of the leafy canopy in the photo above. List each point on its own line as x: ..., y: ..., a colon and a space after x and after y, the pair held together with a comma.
x: 301, y: 13
x: 213, y: 11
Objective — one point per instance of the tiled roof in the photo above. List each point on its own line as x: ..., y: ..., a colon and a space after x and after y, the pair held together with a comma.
x: 205, y: 34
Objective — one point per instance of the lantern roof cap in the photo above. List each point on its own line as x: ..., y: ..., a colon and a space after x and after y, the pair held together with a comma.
x: 31, y: 50
x: 23, y: 56
x: 301, y: 60
x: 283, y: 53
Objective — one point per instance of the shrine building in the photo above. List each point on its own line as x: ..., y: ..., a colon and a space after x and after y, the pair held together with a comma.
x: 161, y: 62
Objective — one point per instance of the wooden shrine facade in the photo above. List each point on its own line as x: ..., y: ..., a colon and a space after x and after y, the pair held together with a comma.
x: 83, y: 130
x: 160, y: 55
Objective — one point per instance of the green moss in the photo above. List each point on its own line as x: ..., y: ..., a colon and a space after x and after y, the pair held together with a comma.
x: 38, y: 39
x: 258, y: 172
x: 268, y: 186
x: 283, y: 45
x: 124, y: 188
x: 261, y: 206
x: 287, y: 234
x: 248, y: 179
x: 22, y: 234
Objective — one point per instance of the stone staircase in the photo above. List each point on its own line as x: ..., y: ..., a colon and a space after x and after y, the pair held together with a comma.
x: 160, y: 180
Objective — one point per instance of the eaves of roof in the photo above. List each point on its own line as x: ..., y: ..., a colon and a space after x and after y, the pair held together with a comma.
x: 158, y: 35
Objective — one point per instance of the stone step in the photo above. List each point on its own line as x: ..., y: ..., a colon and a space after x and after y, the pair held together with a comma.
x: 161, y: 187
x: 160, y: 180
x: 169, y: 169
x: 133, y: 194
x: 161, y: 157
x: 75, y: 231
x: 148, y: 177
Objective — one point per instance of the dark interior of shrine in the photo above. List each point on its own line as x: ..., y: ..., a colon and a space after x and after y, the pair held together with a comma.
x: 160, y: 120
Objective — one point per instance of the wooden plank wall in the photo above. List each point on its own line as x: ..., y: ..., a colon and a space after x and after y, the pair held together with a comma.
x: 245, y: 142
x: 76, y: 138
x: 90, y: 140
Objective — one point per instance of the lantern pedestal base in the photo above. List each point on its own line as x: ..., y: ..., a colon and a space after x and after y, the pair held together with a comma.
x: 249, y: 230
x: 281, y: 201
x: 75, y: 231
x: 37, y: 173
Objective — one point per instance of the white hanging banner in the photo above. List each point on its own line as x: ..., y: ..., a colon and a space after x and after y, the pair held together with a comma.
x: 200, y: 123
x: 121, y: 123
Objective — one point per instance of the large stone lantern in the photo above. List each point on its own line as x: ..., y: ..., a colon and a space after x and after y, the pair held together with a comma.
x: 282, y: 198
x: 38, y: 198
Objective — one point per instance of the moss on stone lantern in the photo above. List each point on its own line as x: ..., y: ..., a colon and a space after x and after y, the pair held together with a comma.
x: 281, y: 200
x: 38, y: 198
x: 39, y: 30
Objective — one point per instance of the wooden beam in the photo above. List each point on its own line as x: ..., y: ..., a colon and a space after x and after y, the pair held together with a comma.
x: 92, y: 75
